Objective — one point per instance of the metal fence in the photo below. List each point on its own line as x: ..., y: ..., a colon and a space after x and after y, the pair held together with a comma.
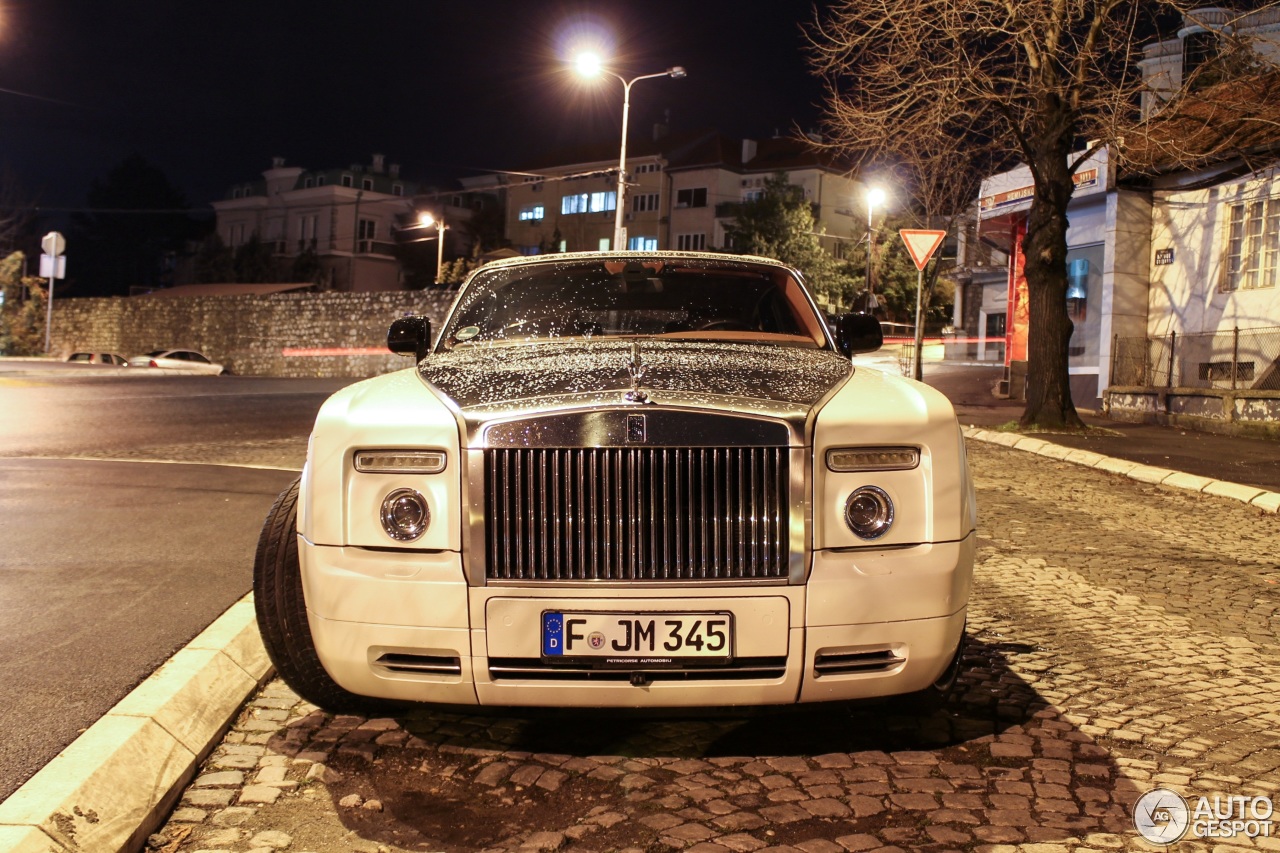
x: 1238, y: 360
x: 906, y: 358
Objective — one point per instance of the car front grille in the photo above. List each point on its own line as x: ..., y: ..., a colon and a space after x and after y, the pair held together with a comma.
x: 637, y: 513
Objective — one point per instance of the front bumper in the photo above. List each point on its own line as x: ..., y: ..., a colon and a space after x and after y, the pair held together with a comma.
x: 405, y: 626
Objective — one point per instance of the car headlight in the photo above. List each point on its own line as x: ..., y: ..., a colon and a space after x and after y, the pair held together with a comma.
x: 400, y: 461
x: 405, y: 515
x: 848, y: 459
x: 869, y: 512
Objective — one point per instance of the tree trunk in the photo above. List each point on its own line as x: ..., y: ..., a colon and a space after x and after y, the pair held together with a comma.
x: 1048, y: 390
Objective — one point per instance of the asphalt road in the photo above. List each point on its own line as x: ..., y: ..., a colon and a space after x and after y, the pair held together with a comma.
x: 94, y: 414
x: 109, y: 565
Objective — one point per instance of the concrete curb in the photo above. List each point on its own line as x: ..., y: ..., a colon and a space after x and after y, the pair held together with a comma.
x: 1252, y: 495
x: 116, y: 783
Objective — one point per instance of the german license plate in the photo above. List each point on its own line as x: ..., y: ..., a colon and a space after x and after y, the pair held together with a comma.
x: 622, y: 639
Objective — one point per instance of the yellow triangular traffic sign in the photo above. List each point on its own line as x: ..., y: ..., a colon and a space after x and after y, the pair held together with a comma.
x: 921, y: 244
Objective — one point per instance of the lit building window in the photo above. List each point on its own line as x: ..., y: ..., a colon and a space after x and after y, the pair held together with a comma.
x: 589, y: 202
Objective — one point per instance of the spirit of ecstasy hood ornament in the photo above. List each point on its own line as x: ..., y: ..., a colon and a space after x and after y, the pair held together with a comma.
x: 637, y: 371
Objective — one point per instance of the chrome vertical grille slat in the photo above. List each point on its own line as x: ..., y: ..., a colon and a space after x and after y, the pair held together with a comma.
x: 637, y: 513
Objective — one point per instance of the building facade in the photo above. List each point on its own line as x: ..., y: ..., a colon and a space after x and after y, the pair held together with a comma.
x: 683, y: 192
x: 1173, y: 239
x: 1169, y: 66
x: 1105, y: 288
x: 347, y: 217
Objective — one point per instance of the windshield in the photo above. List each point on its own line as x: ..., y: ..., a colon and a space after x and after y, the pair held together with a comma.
x: 612, y: 297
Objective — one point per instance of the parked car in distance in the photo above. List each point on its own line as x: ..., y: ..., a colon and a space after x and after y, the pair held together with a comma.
x: 108, y: 358
x: 183, y: 360
x: 625, y: 480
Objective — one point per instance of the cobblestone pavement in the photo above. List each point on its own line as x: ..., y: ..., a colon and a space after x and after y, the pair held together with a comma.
x: 1122, y: 637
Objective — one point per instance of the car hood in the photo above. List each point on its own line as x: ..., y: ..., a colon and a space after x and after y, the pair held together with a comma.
x: 508, y: 377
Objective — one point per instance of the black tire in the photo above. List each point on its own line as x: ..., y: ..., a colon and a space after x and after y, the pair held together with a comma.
x: 934, y: 697
x: 282, y: 614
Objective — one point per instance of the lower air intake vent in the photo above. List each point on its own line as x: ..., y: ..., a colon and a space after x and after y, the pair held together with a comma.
x: 420, y: 664
x: 849, y: 663
x: 524, y: 669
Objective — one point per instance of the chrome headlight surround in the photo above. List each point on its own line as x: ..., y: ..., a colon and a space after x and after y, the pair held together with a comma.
x: 869, y: 512
x: 405, y: 515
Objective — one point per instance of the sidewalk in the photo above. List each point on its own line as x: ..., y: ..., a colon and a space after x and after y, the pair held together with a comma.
x: 1248, y: 461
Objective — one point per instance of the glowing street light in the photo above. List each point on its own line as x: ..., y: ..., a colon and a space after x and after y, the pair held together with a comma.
x: 426, y: 220
x: 875, y: 196
x: 590, y: 65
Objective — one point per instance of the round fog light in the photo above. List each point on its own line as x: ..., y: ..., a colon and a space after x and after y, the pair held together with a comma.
x: 869, y: 512
x: 405, y: 515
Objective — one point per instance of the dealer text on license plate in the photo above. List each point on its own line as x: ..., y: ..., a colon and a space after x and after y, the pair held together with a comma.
x: 629, y: 638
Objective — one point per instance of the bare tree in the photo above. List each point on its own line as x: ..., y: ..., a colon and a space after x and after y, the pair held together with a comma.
x: 942, y: 183
x: 17, y: 210
x: 953, y: 84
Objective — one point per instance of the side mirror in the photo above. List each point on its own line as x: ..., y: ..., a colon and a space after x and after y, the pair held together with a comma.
x: 857, y: 333
x: 410, y: 336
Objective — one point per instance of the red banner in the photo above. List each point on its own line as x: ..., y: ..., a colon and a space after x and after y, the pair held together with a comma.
x: 1018, y: 318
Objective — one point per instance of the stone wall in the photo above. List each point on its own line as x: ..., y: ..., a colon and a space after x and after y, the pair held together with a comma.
x: 283, y: 334
x: 1249, y: 413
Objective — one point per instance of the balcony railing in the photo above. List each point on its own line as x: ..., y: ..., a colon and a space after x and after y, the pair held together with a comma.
x: 375, y: 247
x: 731, y: 209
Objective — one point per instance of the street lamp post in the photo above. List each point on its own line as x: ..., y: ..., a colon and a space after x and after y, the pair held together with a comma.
x: 588, y: 65
x: 427, y: 220
x: 875, y: 196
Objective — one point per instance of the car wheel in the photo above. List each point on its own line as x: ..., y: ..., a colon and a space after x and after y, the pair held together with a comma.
x: 934, y: 697
x: 282, y: 614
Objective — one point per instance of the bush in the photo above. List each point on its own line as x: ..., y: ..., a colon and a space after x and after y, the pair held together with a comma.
x: 22, y: 314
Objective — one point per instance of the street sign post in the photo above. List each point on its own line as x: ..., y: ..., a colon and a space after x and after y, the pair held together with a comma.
x: 921, y: 244
x: 53, y: 266
x: 54, y: 244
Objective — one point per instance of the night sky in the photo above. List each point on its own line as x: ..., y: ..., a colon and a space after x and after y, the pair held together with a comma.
x: 210, y: 91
